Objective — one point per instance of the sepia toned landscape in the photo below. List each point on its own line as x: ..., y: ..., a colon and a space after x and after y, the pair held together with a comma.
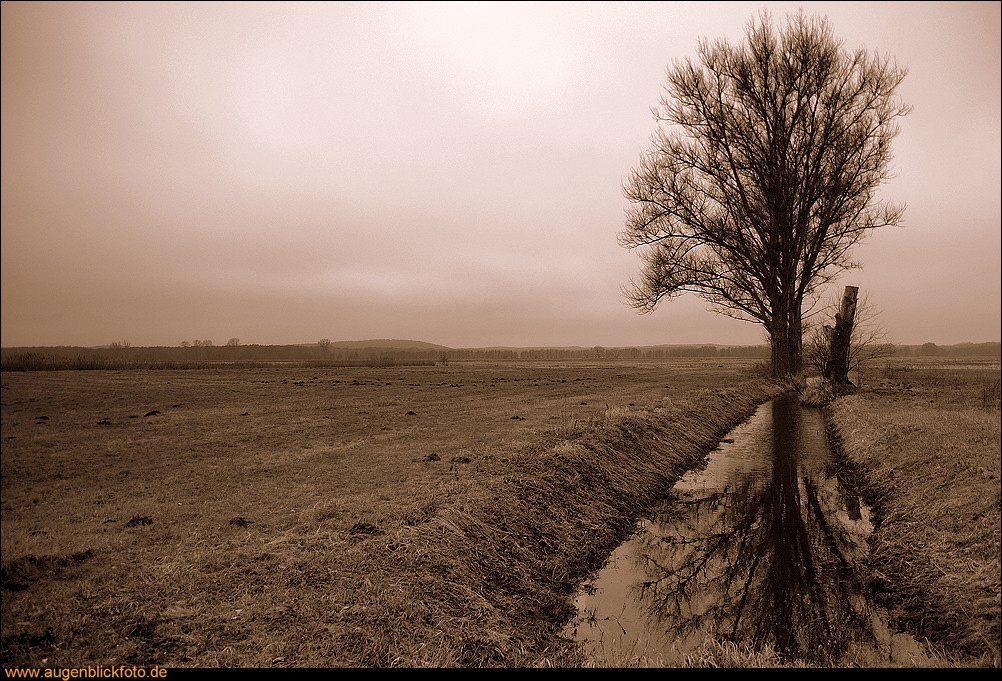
x: 399, y: 335
x: 435, y: 515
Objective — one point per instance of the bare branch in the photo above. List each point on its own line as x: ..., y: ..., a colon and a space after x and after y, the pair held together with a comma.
x: 762, y: 174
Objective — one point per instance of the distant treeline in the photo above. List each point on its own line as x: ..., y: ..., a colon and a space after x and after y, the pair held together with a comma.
x: 200, y: 357
x: 34, y: 361
x: 123, y: 356
x: 225, y: 353
x: 598, y: 352
x: 682, y: 351
x: 958, y: 350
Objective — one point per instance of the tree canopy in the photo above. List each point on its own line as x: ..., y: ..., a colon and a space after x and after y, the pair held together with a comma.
x: 762, y: 175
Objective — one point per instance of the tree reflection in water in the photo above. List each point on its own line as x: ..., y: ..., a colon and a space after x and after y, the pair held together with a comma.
x: 766, y: 560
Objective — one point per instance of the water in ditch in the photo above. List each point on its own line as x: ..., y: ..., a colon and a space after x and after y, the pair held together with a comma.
x: 765, y: 545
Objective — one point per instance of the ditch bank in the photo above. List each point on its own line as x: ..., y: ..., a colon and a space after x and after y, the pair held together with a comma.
x: 487, y: 578
x: 931, y: 477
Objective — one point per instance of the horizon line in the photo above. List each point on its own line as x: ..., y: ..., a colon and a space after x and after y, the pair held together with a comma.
x: 477, y: 347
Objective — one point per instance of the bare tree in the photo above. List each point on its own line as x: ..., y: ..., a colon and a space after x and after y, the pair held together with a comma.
x: 185, y: 344
x: 762, y: 175
x: 325, y: 345
x: 120, y: 348
x: 869, y: 342
x: 233, y: 342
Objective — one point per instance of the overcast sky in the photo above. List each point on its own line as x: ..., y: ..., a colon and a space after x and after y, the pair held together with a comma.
x: 451, y: 173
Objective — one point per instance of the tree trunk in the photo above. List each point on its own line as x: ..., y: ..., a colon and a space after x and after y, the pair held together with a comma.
x: 837, y: 367
x: 786, y: 339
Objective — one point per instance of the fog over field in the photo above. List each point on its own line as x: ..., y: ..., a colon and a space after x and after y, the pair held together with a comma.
x: 282, y: 173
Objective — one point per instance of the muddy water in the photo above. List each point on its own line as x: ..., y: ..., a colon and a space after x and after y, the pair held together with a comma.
x: 765, y: 545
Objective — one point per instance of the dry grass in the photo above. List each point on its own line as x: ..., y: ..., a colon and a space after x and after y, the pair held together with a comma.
x: 712, y: 654
x: 354, y: 516
x: 928, y: 443
x: 817, y: 394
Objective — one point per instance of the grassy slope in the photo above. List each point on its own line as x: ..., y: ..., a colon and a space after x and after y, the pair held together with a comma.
x: 929, y: 447
x: 365, y: 542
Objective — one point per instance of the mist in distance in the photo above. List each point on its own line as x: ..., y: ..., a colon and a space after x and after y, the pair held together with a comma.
x: 446, y: 173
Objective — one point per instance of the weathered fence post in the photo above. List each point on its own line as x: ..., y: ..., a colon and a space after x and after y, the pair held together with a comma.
x: 837, y: 366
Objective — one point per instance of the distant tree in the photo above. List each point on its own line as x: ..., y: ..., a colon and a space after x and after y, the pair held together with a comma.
x: 185, y: 344
x: 929, y: 349
x: 325, y: 345
x: 206, y: 343
x: 763, y: 175
x: 233, y: 342
x: 120, y: 348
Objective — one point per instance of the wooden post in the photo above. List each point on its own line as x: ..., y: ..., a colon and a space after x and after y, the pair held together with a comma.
x: 837, y: 367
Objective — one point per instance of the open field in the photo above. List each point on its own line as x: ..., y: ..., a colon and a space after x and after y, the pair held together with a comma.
x: 926, y: 437
x: 352, y: 516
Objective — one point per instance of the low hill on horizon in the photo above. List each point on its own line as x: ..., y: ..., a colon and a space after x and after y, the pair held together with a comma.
x: 388, y: 343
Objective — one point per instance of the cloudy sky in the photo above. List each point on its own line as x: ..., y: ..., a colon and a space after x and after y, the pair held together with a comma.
x: 442, y: 172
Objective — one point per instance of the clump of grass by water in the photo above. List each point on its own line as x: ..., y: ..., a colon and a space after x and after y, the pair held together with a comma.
x: 819, y: 394
x: 713, y: 653
x: 720, y: 654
